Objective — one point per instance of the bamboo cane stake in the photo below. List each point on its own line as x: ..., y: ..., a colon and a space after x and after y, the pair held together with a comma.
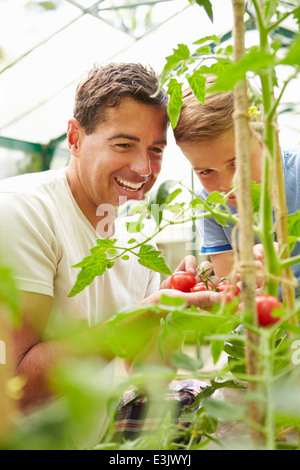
x: 244, y: 203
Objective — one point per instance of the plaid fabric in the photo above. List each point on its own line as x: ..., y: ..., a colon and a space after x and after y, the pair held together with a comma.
x: 138, y: 414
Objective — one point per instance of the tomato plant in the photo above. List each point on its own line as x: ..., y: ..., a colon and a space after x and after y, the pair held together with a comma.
x: 183, y: 281
x: 265, y: 306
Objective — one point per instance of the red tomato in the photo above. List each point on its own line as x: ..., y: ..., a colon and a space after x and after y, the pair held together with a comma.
x: 201, y: 286
x: 227, y: 296
x: 228, y: 288
x: 183, y: 281
x: 265, y: 304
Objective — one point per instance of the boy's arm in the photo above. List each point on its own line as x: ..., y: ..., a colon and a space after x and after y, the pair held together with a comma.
x: 222, y: 263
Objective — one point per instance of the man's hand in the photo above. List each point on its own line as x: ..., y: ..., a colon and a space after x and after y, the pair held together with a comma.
x: 203, y: 299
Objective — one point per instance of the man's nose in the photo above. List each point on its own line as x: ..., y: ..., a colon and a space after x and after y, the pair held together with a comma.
x: 141, y: 164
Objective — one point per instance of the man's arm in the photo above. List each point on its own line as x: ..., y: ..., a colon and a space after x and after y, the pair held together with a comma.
x: 34, y: 357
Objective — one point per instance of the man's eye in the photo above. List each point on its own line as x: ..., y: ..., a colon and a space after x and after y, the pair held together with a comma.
x: 123, y: 146
x: 157, y: 150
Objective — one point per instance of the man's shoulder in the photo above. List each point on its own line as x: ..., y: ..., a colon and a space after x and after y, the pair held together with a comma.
x: 30, y: 183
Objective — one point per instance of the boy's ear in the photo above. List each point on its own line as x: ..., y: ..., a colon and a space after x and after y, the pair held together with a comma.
x: 73, y: 134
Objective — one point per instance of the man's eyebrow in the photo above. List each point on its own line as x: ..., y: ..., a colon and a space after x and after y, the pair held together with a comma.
x: 136, y: 139
x: 160, y: 142
x: 124, y: 136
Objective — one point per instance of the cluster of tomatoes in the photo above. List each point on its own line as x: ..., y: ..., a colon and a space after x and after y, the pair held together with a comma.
x: 265, y: 304
x: 186, y: 282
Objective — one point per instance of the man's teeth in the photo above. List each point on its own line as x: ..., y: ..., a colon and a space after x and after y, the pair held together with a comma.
x: 129, y: 185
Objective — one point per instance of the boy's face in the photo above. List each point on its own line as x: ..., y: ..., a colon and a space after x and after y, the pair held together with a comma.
x: 214, y: 162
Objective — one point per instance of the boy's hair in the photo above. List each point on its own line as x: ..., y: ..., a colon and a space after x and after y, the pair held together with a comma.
x: 206, y: 122
x: 106, y: 85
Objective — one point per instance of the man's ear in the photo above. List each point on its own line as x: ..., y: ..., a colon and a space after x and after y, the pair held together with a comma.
x: 74, y: 134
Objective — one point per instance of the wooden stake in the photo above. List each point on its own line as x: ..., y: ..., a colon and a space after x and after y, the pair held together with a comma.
x: 244, y: 203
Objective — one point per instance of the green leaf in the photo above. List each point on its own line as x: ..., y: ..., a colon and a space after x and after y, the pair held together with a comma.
x: 176, y: 64
x: 207, y: 7
x: 137, y: 226
x: 48, y: 5
x: 162, y: 194
x: 158, y: 200
x: 197, y: 83
x: 223, y: 410
x: 293, y: 55
x: 207, y: 39
x: 256, y: 192
x: 151, y: 258
x: 175, y: 104
x: 293, y: 222
x: 179, y: 56
x: 255, y: 60
x: 183, y: 361
x: 93, y: 265
x: 216, y: 198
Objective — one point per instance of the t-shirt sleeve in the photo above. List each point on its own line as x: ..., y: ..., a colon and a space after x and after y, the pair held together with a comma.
x: 27, y: 243
x: 213, y: 238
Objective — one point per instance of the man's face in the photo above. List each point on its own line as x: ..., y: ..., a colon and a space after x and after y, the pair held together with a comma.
x: 214, y: 163
x: 122, y: 158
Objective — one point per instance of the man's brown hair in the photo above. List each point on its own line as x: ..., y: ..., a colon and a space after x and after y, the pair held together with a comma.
x: 106, y: 85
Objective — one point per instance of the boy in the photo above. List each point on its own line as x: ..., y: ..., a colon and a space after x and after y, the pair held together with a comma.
x: 205, y: 135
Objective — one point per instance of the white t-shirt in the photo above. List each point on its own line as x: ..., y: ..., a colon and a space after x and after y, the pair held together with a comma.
x: 43, y: 233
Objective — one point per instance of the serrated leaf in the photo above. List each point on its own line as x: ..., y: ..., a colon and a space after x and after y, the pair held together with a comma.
x: 175, y: 104
x: 181, y: 54
x: 176, y: 63
x: 197, y: 83
x: 151, y: 258
x: 255, y: 60
x: 93, y: 267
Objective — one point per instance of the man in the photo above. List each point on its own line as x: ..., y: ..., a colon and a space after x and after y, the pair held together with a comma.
x: 116, y: 140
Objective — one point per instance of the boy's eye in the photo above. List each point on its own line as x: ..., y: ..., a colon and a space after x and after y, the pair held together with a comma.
x: 204, y: 172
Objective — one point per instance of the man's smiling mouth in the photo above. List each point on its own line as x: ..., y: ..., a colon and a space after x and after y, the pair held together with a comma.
x: 129, y: 185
